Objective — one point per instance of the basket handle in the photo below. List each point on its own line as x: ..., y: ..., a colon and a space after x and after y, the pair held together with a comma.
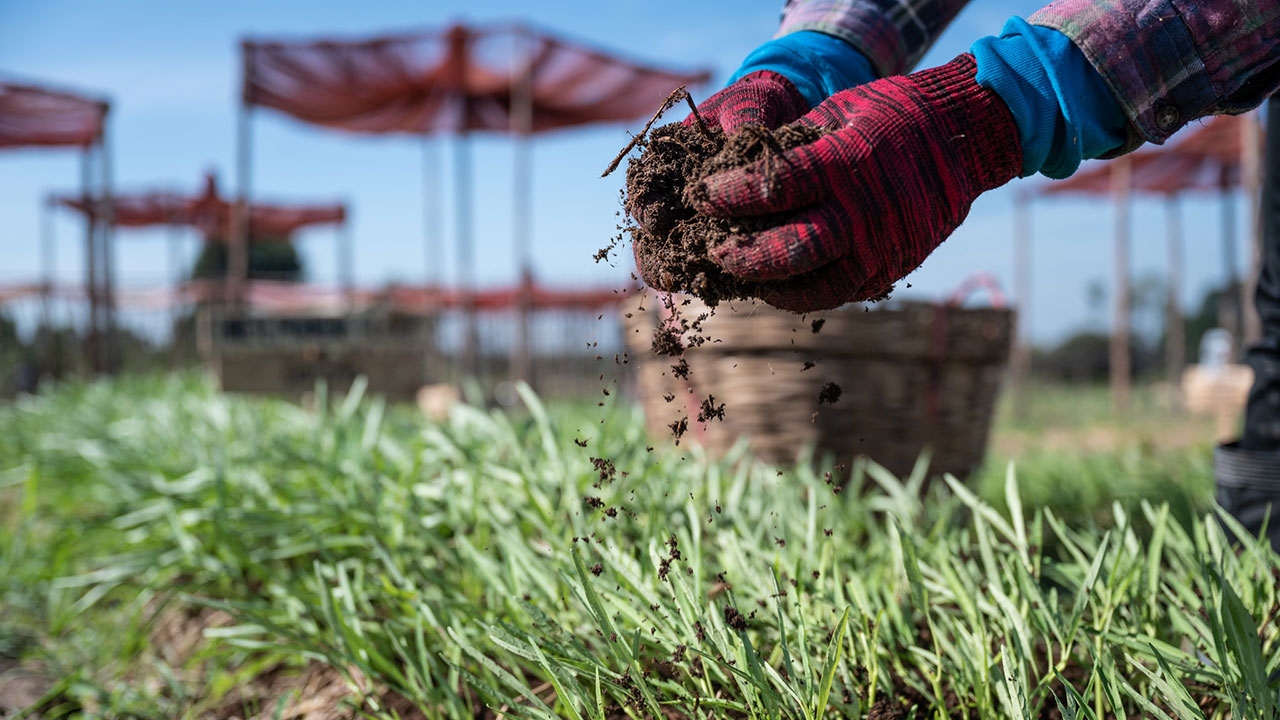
x: 981, y: 281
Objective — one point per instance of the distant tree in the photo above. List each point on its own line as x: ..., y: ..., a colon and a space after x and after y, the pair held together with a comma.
x: 1202, y: 319
x: 17, y: 373
x: 269, y: 259
x: 1095, y: 297
x: 1085, y: 357
x: 1148, y: 309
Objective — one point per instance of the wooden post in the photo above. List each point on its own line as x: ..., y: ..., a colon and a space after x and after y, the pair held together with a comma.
x: 432, y: 216
x: 1229, y: 304
x: 1175, y: 326
x: 240, y: 233
x: 433, y: 246
x: 346, y: 260
x: 1251, y: 185
x: 469, y: 357
x: 459, y: 46
x: 48, y: 270
x: 1021, y: 360
x: 92, y: 337
x: 1121, y: 171
x: 175, y: 277
x: 522, y: 128
x: 111, y: 347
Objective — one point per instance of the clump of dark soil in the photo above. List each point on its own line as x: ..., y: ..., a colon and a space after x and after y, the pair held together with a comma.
x: 670, y: 240
x: 735, y: 619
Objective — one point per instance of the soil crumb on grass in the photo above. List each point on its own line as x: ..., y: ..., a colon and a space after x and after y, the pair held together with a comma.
x: 735, y: 619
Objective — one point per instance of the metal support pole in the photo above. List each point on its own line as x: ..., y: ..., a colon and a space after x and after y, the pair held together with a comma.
x: 1120, y: 369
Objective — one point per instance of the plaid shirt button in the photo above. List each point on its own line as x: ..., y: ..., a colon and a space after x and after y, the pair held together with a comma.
x: 1167, y: 117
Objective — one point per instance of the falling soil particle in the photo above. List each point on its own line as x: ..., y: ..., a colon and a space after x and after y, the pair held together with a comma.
x: 830, y: 393
x: 605, y: 468
x: 681, y: 369
x: 679, y: 428
x: 597, y: 569
x: 666, y: 341
x: 816, y: 325
x: 710, y: 411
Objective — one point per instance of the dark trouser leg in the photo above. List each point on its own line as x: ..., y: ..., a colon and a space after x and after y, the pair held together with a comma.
x: 1247, y: 472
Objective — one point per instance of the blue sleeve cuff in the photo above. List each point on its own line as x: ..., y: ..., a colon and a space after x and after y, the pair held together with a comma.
x: 1063, y: 108
x: 819, y: 65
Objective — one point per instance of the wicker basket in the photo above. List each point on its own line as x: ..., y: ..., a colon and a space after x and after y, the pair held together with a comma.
x: 913, y: 376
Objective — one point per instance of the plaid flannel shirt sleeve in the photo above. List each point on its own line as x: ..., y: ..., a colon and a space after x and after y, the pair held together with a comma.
x: 1169, y: 62
x: 893, y: 34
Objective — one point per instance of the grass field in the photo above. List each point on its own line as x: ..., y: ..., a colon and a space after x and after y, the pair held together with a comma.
x: 166, y: 551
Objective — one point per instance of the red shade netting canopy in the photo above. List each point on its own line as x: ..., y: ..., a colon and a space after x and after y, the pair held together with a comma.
x: 502, y: 78
x: 208, y: 212
x: 1206, y: 159
x: 33, y: 116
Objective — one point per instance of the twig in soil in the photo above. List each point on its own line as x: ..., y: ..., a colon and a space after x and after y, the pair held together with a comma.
x: 676, y: 96
x: 694, y: 109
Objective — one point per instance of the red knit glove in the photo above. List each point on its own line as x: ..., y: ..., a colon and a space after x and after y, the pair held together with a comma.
x: 866, y: 204
x: 762, y: 98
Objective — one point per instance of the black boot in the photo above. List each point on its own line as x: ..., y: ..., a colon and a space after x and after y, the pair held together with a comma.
x: 1248, y: 487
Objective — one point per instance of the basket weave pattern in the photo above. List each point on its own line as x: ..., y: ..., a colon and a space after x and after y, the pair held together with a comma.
x: 914, y: 377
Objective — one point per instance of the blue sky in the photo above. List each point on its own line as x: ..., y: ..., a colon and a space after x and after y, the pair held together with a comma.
x: 171, y: 71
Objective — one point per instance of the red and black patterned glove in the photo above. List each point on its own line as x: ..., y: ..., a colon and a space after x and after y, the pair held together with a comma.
x: 762, y: 98
x: 866, y: 204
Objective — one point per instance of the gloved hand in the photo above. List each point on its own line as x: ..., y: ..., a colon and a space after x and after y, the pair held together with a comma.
x: 776, y: 84
x: 763, y: 97
x: 865, y: 204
